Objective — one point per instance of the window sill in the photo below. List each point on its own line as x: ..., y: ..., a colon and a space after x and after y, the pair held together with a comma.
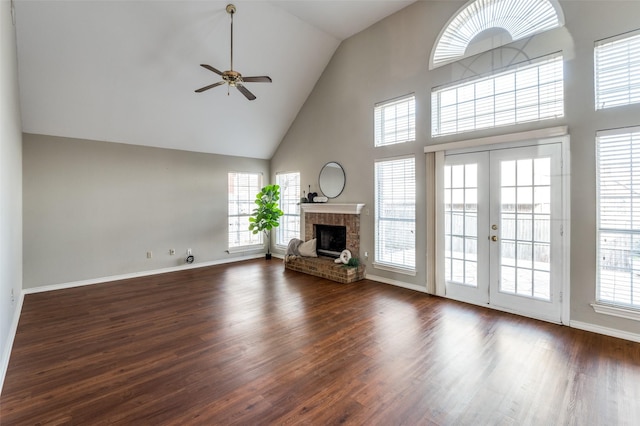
x: 383, y: 267
x: 616, y: 311
x: 243, y: 249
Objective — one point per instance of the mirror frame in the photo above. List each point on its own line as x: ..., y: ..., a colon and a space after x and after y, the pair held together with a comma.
x: 331, y: 191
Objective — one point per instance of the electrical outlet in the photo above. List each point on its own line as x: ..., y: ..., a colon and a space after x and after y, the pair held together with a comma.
x: 13, y: 297
x: 172, y: 252
x: 366, y: 254
x: 189, y: 253
x: 149, y: 255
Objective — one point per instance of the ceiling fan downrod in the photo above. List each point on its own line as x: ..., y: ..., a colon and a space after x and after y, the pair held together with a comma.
x: 231, y: 9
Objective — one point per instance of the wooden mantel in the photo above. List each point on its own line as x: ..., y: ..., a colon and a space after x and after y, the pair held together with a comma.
x: 354, y: 208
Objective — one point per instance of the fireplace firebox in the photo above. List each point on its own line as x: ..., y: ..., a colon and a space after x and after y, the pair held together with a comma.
x: 330, y: 240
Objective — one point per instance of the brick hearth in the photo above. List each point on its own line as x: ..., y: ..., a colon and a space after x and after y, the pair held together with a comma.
x: 347, y: 215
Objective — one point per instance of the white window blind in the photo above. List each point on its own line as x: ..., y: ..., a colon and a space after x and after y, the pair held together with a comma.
x: 618, y: 198
x: 617, y: 71
x: 529, y: 92
x: 290, y: 205
x: 395, y: 121
x: 395, y: 213
x: 520, y: 18
x: 243, y: 188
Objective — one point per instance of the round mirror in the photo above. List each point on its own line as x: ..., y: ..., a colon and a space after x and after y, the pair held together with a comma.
x: 331, y: 180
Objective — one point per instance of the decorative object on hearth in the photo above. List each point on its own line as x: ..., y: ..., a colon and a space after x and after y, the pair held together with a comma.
x: 265, y: 216
x: 354, y: 262
x: 231, y: 77
x: 308, y: 248
x: 345, y: 256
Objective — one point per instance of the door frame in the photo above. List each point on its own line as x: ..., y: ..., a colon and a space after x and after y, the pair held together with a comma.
x: 435, y: 262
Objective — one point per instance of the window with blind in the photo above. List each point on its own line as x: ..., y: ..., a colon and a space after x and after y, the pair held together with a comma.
x: 530, y: 92
x: 290, y: 204
x: 617, y: 71
x: 520, y: 18
x: 242, y: 191
x: 395, y: 121
x: 395, y: 213
x: 618, y: 198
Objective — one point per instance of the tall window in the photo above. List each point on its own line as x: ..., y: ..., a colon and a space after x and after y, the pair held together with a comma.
x: 395, y: 121
x: 243, y: 188
x: 617, y: 71
x: 395, y: 213
x: 618, y: 198
x: 527, y: 93
x: 290, y: 204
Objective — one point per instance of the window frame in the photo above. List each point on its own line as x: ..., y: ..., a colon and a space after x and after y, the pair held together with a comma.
x: 608, y: 305
x: 517, y: 95
x: 381, y: 109
x: 245, y: 210
x: 380, y: 261
x: 477, y: 16
x: 604, y: 69
x: 288, y: 198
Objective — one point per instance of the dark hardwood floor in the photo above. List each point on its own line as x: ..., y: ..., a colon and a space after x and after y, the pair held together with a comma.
x: 250, y: 343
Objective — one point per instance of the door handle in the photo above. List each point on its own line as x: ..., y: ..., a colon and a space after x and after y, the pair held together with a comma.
x: 494, y: 238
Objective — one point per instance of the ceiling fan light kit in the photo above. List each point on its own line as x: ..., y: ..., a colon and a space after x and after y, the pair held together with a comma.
x: 231, y: 77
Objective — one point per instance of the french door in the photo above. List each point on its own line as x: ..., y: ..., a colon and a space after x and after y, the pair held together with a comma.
x: 502, y: 229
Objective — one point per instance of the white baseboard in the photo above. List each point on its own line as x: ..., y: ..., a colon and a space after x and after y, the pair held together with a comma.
x: 634, y: 337
x: 6, y: 354
x: 396, y: 283
x: 100, y: 280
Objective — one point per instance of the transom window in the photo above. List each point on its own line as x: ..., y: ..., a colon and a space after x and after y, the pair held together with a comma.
x: 617, y: 70
x: 519, y: 18
x: 243, y: 188
x: 395, y: 121
x: 290, y: 205
x: 618, y: 186
x: 528, y: 92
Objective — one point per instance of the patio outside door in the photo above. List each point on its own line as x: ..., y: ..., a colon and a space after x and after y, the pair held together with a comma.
x: 502, y: 229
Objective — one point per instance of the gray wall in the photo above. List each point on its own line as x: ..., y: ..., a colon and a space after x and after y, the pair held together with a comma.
x: 10, y: 186
x: 94, y: 209
x: 391, y: 58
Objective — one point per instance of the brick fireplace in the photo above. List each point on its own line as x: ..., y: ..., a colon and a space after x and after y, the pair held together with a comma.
x: 314, y: 216
x: 347, y: 215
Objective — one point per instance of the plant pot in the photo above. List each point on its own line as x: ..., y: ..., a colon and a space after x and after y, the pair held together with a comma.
x: 267, y: 256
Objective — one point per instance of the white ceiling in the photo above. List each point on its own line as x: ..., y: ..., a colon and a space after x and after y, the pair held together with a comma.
x: 126, y: 71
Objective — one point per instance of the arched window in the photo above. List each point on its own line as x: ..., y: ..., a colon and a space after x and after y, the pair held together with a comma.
x: 517, y: 18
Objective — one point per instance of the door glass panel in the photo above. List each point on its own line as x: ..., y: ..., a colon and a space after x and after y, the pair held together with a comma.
x: 461, y: 224
x: 525, y: 213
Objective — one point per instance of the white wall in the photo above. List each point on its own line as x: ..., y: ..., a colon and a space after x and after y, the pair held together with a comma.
x: 10, y: 187
x: 93, y: 209
x: 391, y: 59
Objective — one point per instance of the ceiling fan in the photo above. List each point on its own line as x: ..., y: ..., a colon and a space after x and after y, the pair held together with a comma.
x: 231, y: 77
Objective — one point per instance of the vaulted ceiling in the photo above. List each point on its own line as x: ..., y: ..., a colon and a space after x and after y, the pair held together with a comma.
x: 126, y: 71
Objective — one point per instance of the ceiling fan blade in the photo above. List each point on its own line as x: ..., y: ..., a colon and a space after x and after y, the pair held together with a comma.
x: 245, y: 92
x: 210, y: 68
x: 211, y: 86
x: 260, y: 79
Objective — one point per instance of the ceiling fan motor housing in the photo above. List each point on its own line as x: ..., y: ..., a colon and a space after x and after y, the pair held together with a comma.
x: 232, y: 77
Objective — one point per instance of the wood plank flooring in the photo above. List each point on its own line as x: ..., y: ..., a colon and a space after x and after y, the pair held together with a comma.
x: 250, y: 343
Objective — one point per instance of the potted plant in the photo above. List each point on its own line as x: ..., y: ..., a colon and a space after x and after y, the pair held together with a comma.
x: 265, y: 216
